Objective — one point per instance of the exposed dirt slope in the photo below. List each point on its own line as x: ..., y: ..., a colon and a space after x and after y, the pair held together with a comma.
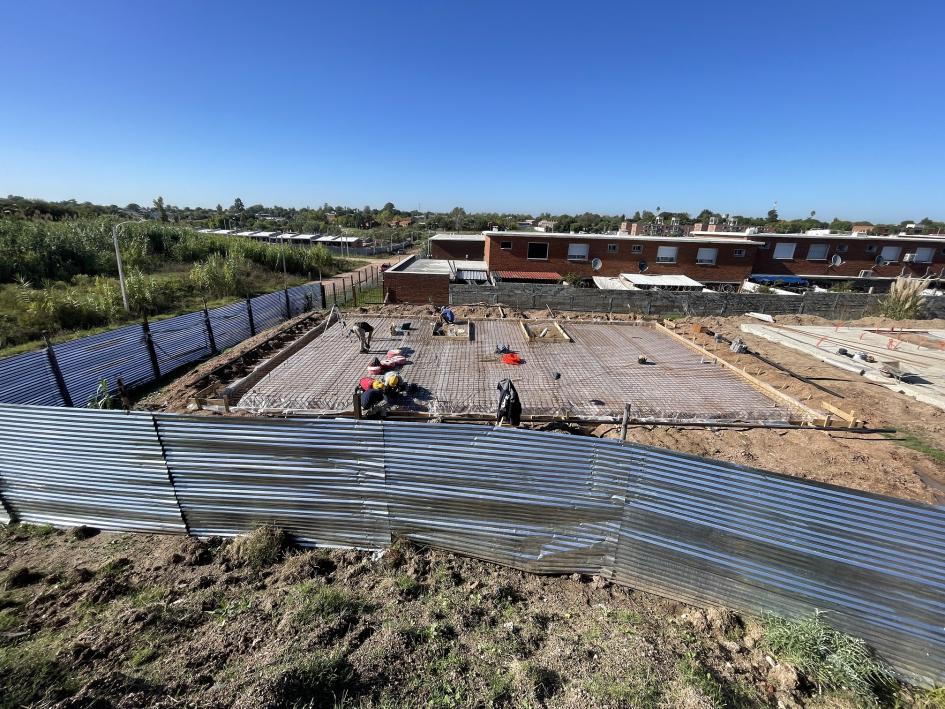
x: 129, y: 621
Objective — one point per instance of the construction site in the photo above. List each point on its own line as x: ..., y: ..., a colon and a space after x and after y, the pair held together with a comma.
x: 679, y: 384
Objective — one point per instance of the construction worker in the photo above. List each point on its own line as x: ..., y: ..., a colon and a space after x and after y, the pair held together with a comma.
x: 448, y: 316
x: 364, y: 332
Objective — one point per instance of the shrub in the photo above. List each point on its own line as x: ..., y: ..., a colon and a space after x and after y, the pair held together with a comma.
x: 830, y: 659
x: 905, y: 299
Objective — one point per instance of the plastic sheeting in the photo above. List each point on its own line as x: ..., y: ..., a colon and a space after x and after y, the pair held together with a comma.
x: 693, y: 529
x: 28, y: 378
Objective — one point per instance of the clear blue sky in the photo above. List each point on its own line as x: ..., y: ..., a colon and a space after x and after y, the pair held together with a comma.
x: 610, y: 107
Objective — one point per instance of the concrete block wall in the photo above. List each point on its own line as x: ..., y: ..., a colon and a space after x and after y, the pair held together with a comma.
x: 834, y: 306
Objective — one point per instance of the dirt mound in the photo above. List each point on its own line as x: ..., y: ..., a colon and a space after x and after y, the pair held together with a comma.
x: 164, y: 621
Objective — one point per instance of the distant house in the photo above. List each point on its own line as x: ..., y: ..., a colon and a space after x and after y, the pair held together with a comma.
x: 545, y: 225
x: 863, y: 228
x: 403, y: 221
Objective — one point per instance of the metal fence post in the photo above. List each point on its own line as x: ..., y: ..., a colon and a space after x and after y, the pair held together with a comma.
x: 210, y: 338
x: 334, y: 294
x: 288, y: 308
x: 57, y: 373
x: 149, y: 344
x: 249, y: 316
x: 323, y: 300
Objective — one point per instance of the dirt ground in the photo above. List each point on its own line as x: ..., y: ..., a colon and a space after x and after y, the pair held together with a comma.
x: 107, y: 620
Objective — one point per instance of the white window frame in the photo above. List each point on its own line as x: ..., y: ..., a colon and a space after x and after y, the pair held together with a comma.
x: 502, y: 245
x: 890, y: 250
x: 528, y: 250
x: 702, y: 256
x: 612, y: 248
x: 781, y: 247
x: 666, y: 257
x: 636, y: 249
x: 930, y: 250
x: 738, y: 253
x: 579, y: 257
x: 810, y: 249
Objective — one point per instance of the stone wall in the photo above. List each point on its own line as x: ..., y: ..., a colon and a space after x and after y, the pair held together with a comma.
x: 834, y: 306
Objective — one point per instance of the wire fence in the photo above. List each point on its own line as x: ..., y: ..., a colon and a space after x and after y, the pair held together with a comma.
x: 688, y: 528
x: 361, y: 287
x: 70, y: 373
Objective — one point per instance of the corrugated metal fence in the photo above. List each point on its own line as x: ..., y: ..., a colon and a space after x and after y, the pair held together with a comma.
x: 30, y: 378
x: 687, y: 528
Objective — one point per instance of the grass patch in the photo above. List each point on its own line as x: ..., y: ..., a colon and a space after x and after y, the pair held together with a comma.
x: 327, y: 603
x: 143, y: 654
x: 148, y: 595
x: 29, y: 672
x: 640, y: 689
x: 262, y: 547
x: 829, y: 658
x: 315, y: 681
x: 695, y: 675
x: 33, y: 531
x: 407, y: 585
x: 908, y: 440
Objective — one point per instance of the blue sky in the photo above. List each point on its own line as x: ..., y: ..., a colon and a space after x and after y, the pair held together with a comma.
x: 563, y: 107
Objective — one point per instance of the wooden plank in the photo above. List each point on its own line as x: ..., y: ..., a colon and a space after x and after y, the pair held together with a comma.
x: 850, y: 417
x: 564, y: 334
x: 757, y: 383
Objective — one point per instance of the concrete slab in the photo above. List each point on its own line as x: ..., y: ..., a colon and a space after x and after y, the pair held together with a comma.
x: 918, y: 352
x: 597, y: 374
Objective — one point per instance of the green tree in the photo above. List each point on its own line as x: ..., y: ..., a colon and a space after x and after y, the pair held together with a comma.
x: 238, y: 207
x: 772, y: 216
x: 162, y: 211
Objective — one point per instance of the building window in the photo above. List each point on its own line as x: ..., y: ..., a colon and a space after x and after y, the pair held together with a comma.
x: 707, y: 256
x: 890, y: 254
x: 784, y: 251
x: 817, y: 252
x: 637, y: 248
x: 738, y: 253
x: 538, y: 250
x: 611, y: 248
x: 924, y: 254
x: 842, y: 248
x: 871, y: 248
x: 577, y: 252
x: 505, y: 245
x: 765, y: 245
x: 666, y: 254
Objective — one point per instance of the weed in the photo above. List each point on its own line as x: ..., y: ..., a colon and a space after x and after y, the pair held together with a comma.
x: 830, y: 659
x: 228, y: 609
x: 931, y: 699
x: 8, y: 619
x: 327, y: 603
x: 113, y: 567
x: 143, y: 654
x: 407, y: 585
x: 33, y: 530
x: 262, y: 547
x: 695, y: 675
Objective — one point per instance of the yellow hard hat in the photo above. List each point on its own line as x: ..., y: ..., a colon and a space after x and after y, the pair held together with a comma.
x: 378, y: 384
x: 392, y: 379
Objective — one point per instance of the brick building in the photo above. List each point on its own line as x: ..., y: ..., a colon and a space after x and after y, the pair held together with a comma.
x: 707, y: 259
x: 416, y: 280
x: 824, y: 256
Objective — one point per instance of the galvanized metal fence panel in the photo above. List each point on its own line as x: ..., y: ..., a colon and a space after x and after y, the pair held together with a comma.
x: 268, y: 310
x: 28, y: 379
x: 322, y: 481
x: 506, y: 495
x: 713, y: 533
x: 181, y: 340
x: 81, y: 466
x: 230, y: 324
x: 117, y: 353
x: 305, y: 297
x: 689, y: 528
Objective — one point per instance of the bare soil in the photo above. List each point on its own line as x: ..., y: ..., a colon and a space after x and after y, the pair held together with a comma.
x: 113, y: 620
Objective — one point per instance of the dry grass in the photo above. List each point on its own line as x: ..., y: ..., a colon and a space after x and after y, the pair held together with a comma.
x: 905, y: 299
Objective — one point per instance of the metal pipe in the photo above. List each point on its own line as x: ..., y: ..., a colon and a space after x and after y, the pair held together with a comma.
x: 121, y: 270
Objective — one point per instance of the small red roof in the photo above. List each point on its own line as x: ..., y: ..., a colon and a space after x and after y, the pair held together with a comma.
x: 530, y: 275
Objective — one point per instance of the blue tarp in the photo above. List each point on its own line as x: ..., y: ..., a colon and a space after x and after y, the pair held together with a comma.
x: 786, y: 280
